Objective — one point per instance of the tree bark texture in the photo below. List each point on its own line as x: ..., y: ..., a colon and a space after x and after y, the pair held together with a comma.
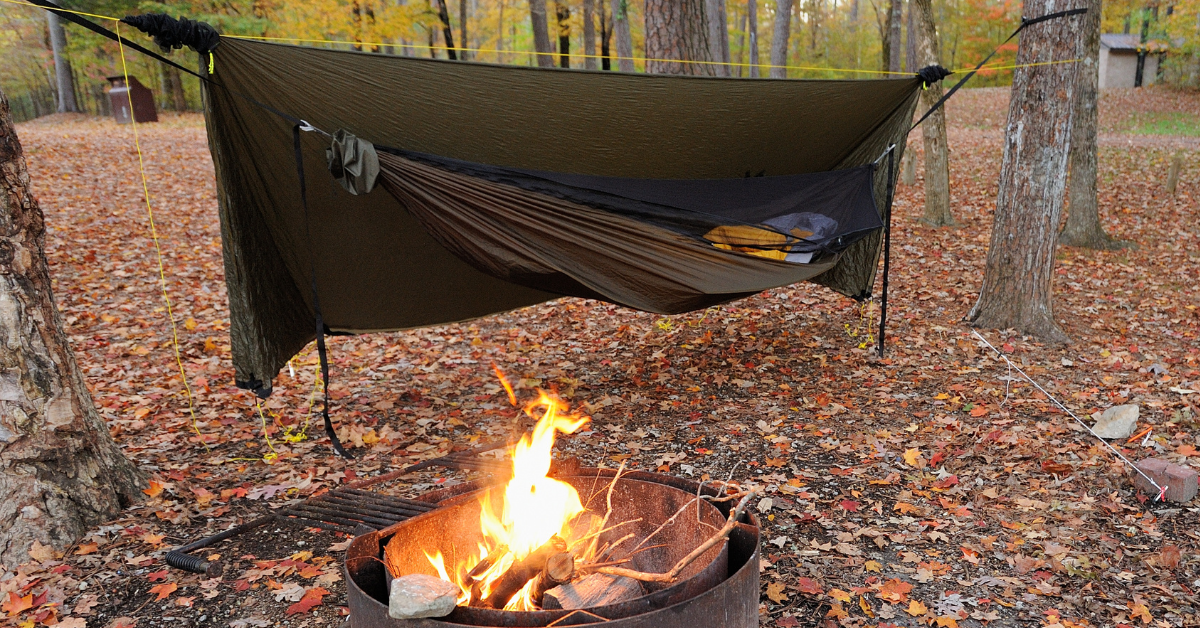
x: 891, y: 40
x: 562, y: 14
x: 589, y: 35
x: 933, y: 129
x: 780, y: 37
x: 678, y: 30
x: 1083, y: 211
x: 60, y: 471
x: 173, y: 86
x: 620, y: 18
x: 1018, y: 281
x: 541, y: 34
x: 752, y: 35
x: 910, y: 40
x: 64, y: 79
x: 718, y: 34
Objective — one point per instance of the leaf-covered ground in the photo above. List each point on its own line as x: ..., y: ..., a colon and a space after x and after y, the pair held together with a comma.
x: 930, y: 487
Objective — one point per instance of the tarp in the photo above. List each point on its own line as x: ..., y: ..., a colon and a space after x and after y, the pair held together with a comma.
x: 507, y: 186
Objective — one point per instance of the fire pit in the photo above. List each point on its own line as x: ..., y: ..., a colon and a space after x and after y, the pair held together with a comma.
x: 718, y: 588
x: 558, y: 545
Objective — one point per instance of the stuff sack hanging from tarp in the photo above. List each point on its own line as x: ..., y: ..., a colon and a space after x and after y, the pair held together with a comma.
x: 508, y: 186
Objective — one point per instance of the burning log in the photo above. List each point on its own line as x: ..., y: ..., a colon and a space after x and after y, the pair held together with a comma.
x: 597, y: 589
x: 522, y: 572
x: 559, y: 570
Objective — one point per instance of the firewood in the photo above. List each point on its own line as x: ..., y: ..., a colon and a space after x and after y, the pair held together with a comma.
x: 522, y: 572
x: 559, y: 570
x: 597, y: 589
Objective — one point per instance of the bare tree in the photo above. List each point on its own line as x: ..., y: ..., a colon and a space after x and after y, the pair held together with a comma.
x: 541, y: 34
x: 462, y: 30
x: 562, y: 13
x: 1083, y: 211
x: 447, y: 30
x: 64, y: 77
x: 718, y: 34
x: 60, y: 471
x: 752, y: 35
x: 620, y: 18
x: 891, y: 39
x: 1018, y: 281
x: 933, y: 129
x: 589, y: 34
x: 780, y: 38
x: 678, y: 30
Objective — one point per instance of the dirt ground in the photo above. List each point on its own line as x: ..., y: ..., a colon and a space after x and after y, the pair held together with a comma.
x: 932, y: 487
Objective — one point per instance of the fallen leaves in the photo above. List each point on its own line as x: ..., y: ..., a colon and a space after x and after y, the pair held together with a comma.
x: 312, y: 597
x: 163, y: 591
x: 916, y: 608
x: 775, y: 592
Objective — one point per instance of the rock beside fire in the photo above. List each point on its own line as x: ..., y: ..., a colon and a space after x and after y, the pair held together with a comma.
x: 418, y: 595
x: 597, y: 589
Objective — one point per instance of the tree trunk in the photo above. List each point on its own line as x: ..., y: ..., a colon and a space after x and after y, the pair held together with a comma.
x: 563, y: 15
x: 541, y: 34
x: 752, y: 36
x: 780, y: 38
x: 718, y: 35
x: 678, y: 30
x: 910, y: 40
x: 620, y: 20
x: 173, y: 86
x: 462, y: 29
x: 605, y: 39
x: 589, y: 35
x: 1017, y: 284
x: 60, y: 471
x: 933, y: 129
x: 891, y: 40
x: 447, y: 31
x: 1083, y: 212
x: 64, y: 79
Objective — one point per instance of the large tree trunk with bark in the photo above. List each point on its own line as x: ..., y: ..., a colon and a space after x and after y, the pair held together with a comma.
x: 1018, y: 282
x: 64, y: 78
x: 1083, y: 211
x: 60, y: 471
x: 589, y: 35
x: 718, y: 34
x: 541, y: 34
x: 780, y: 37
x: 678, y: 30
x: 933, y: 129
x: 892, y: 36
x: 620, y: 20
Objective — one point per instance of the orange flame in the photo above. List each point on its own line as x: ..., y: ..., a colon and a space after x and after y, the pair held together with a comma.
x: 534, y: 507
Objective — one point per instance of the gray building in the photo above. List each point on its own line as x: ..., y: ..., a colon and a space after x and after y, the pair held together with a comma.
x: 1120, y: 58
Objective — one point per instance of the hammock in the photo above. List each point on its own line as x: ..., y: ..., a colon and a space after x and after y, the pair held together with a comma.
x: 501, y: 187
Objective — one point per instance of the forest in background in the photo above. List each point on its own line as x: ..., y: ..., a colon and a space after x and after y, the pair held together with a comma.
x: 827, y: 38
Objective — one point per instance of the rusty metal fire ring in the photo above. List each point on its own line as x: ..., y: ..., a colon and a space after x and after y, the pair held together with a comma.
x: 719, y: 589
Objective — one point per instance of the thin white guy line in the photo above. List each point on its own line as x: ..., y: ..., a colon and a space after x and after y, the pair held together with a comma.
x: 1162, y: 490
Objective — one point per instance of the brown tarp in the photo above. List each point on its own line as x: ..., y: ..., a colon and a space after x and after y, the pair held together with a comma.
x: 380, y: 261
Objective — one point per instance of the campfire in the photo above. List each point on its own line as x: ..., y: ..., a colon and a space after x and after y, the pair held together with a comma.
x: 557, y: 544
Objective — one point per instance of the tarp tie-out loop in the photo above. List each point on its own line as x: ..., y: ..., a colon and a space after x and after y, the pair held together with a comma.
x: 322, y: 352
x: 1024, y: 22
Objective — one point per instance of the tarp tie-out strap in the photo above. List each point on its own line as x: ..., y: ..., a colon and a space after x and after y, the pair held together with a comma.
x: 322, y: 353
x: 1024, y: 22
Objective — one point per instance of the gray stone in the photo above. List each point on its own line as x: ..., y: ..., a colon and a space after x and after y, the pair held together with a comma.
x: 418, y: 595
x: 1117, y: 422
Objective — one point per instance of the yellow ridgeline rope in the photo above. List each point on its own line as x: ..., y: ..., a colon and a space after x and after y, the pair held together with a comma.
x: 162, y: 274
x: 272, y: 455
x: 804, y: 68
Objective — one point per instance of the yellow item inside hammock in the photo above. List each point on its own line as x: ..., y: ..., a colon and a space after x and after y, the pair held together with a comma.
x: 754, y: 241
